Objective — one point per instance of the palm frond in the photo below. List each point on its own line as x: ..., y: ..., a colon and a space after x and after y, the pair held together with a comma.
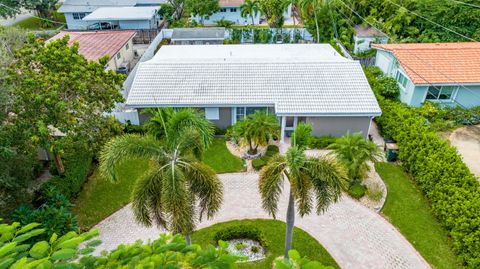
x: 127, y: 147
x: 146, y: 200
x: 328, y: 178
x: 187, y: 119
x: 206, y: 186
x: 189, y: 142
x: 271, y: 183
x: 157, y: 124
x: 301, y: 187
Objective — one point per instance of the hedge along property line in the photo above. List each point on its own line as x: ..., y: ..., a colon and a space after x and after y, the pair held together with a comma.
x: 441, y: 174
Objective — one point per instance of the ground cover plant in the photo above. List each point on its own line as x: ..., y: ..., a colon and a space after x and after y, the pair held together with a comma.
x: 273, y: 232
x: 410, y: 212
x: 220, y: 159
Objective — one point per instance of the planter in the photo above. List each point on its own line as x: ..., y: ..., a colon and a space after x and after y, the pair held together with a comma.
x: 250, y: 249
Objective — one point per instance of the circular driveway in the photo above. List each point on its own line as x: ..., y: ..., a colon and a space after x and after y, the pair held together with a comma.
x: 355, y: 236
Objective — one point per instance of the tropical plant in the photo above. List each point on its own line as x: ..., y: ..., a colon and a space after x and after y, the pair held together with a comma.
x: 202, y: 8
x: 312, y: 6
x: 273, y: 10
x: 355, y: 151
x: 224, y: 23
x: 302, y: 135
x: 297, y: 262
x: 319, y: 179
x: 250, y: 8
x: 168, y: 192
x: 256, y: 130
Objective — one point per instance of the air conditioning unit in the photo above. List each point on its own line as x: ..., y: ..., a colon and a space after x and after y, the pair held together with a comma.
x: 123, y: 69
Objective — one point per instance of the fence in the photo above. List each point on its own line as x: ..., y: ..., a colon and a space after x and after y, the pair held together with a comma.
x: 365, y: 61
x: 145, y: 36
x: 268, y: 35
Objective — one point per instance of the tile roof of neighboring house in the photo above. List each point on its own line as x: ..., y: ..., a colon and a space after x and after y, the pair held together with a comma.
x: 217, y: 33
x: 95, y: 45
x: 231, y: 3
x: 293, y: 83
x: 438, y: 63
x: 367, y: 31
x: 122, y: 13
x: 90, y: 5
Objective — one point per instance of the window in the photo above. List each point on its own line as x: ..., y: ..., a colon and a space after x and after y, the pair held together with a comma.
x: 127, y: 47
x: 223, y: 10
x: 233, y: 9
x: 212, y: 113
x: 402, y: 79
x: 240, y: 113
x: 118, y: 55
x: 78, y: 16
x: 245, y: 111
x: 440, y: 93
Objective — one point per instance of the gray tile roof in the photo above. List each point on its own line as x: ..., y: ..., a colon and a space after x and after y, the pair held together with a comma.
x: 70, y: 6
x: 310, y: 88
x: 209, y: 33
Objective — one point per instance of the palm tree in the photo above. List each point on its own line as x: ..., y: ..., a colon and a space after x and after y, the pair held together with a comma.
x: 176, y: 180
x: 314, y: 180
x: 312, y: 5
x: 293, y: 4
x: 355, y: 151
x: 250, y: 9
x: 256, y: 130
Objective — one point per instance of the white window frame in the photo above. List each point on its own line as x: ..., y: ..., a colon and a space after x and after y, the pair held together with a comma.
x: 403, y: 87
x: 212, y: 113
x: 119, y: 56
x: 78, y: 15
x: 452, y: 96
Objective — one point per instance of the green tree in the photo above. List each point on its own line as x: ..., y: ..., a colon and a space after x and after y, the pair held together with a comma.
x: 202, y: 8
x: 256, y: 130
x: 178, y: 8
x: 301, y: 136
x: 56, y: 92
x: 297, y: 262
x: 312, y: 6
x: 314, y: 180
x: 273, y: 10
x: 166, y: 11
x: 43, y: 8
x: 168, y: 192
x: 250, y: 8
x: 355, y: 151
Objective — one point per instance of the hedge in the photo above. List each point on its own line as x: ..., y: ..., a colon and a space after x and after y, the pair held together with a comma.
x: 321, y: 142
x: 262, y: 161
x: 440, y: 172
x: 241, y: 232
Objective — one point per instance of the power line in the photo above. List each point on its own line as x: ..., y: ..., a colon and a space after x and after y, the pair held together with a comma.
x: 433, y: 68
x: 467, y: 4
x: 437, y: 24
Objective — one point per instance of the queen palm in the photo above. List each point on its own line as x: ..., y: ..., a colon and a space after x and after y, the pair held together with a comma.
x: 312, y: 5
x: 176, y: 181
x: 256, y: 130
x: 314, y: 181
x: 250, y: 9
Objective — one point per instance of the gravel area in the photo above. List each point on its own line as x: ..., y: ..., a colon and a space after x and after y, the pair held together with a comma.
x: 246, y: 251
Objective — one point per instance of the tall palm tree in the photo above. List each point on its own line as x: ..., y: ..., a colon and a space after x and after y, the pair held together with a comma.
x: 292, y: 4
x: 176, y: 181
x: 355, y: 151
x: 309, y: 6
x: 314, y: 180
x: 250, y: 8
x: 256, y: 130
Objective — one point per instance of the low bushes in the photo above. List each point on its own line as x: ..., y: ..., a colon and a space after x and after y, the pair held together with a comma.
x: 321, y: 142
x: 241, y: 232
x: 262, y: 161
x: 440, y: 172
x: 357, y: 191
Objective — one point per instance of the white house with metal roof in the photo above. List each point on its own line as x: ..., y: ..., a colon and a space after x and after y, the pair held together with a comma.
x: 308, y: 83
x: 75, y: 12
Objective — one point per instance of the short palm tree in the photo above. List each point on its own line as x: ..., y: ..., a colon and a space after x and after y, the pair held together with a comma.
x: 313, y: 181
x: 256, y: 130
x: 176, y: 181
x: 355, y: 151
x: 250, y: 8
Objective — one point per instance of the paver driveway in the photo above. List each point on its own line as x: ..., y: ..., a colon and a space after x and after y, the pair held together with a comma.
x: 355, y: 236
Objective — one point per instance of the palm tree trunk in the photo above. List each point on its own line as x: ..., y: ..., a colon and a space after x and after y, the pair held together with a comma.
x: 290, y: 223
x: 253, y: 21
x: 316, y: 22
x: 188, y: 239
x: 59, y: 163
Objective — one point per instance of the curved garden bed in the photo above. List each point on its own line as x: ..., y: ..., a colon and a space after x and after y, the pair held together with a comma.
x: 270, y: 234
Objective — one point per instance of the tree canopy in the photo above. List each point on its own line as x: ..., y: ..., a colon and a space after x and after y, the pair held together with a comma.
x: 43, y: 8
x: 202, y: 8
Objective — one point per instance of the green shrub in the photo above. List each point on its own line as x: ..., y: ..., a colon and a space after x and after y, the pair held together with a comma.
x: 259, y: 163
x: 239, y: 246
x: 241, y: 232
x: 272, y: 150
x: 254, y: 249
x: 321, y: 142
x: 220, y: 131
x: 357, y: 191
x: 390, y: 89
x: 439, y: 171
x: 374, y: 192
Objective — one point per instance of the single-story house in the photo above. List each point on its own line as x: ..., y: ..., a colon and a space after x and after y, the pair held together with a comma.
x: 118, y: 45
x: 134, y: 18
x: 309, y: 83
x: 447, y: 73
x: 365, y: 35
x: 76, y: 10
x: 230, y: 11
x: 198, y: 36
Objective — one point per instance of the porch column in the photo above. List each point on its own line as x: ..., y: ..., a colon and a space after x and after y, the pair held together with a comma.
x: 282, y: 129
x: 295, y: 122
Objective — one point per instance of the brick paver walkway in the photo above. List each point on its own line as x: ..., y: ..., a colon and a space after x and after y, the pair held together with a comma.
x: 355, y: 236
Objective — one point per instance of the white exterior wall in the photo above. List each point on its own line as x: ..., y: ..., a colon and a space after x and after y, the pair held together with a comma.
x: 229, y: 16
x: 138, y: 24
x: 73, y: 24
x: 126, y: 56
x: 363, y: 43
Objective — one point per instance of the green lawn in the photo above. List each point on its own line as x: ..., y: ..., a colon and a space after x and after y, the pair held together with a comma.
x: 220, y: 159
x: 101, y: 198
x: 410, y: 212
x: 274, y: 232
x: 34, y: 23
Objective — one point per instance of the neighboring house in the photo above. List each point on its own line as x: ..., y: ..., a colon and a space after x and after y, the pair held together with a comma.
x: 76, y: 10
x: 446, y: 73
x: 230, y: 10
x: 308, y: 83
x: 117, y: 45
x: 128, y: 18
x: 365, y: 35
x: 198, y: 36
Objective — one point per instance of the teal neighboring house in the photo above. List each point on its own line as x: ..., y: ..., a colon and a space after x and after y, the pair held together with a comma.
x: 447, y: 73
